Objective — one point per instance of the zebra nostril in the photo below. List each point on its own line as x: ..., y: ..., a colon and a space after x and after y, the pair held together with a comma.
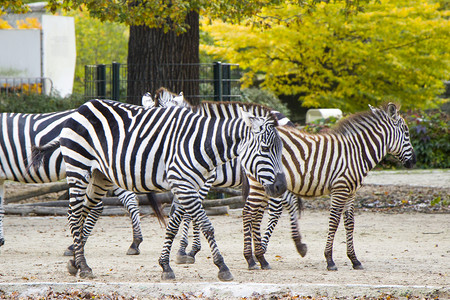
x: 280, y: 184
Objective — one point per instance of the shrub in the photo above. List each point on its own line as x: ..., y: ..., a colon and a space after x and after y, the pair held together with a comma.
x: 430, y: 136
x: 34, y: 103
x: 266, y: 98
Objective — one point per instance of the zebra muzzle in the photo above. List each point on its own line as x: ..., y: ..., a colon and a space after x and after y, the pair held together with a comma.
x: 278, y: 187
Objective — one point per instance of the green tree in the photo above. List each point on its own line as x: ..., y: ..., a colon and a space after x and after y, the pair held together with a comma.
x: 164, y: 34
x: 97, y: 43
x: 392, y: 50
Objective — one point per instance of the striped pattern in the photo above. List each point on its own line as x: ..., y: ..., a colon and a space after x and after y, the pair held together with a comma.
x: 159, y: 149
x: 19, y: 133
x: 227, y: 175
x: 332, y: 163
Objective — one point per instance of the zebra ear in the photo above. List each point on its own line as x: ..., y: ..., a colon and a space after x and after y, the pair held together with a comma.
x: 252, y: 121
x: 147, y: 100
x: 372, y: 108
x: 392, y: 111
x: 179, y: 99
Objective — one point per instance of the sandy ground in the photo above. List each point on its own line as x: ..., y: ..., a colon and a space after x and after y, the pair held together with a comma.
x: 404, y: 255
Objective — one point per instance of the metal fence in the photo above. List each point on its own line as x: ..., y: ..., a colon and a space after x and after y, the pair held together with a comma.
x: 218, y: 81
x: 25, y: 85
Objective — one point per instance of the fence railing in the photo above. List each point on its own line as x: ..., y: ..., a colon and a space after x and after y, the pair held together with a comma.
x: 25, y: 85
x: 218, y: 81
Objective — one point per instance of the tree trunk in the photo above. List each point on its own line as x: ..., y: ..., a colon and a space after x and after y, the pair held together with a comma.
x: 155, y: 59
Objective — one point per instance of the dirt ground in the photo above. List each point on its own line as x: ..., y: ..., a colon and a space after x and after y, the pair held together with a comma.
x: 405, y: 255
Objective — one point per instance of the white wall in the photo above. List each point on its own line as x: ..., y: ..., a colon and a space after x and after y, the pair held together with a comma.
x: 20, y: 53
x: 59, y: 52
x: 24, y: 54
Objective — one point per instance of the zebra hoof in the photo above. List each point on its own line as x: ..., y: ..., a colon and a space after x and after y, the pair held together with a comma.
x: 87, y: 274
x: 225, y: 275
x: 358, y: 266
x: 266, y: 267
x: 168, y: 275
x: 133, y: 251
x: 184, y: 259
x: 72, y: 268
x: 302, y: 249
x: 2, y: 242
x: 332, y: 268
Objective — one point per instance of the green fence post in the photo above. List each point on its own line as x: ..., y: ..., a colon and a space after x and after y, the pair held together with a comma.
x: 115, y: 81
x: 101, y: 82
x: 217, y: 81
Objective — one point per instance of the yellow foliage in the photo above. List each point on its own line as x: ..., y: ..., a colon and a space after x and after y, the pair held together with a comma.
x: 4, y: 24
x: 29, y: 23
x: 392, y: 50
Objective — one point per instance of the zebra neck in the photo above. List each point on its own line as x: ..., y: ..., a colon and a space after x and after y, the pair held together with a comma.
x: 229, y: 137
x: 367, y: 143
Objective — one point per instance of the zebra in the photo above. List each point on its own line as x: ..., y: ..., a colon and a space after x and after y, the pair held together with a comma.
x: 228, y: 175
x: 19, y: 132
x: 142, y: 150
x: 334, y: 163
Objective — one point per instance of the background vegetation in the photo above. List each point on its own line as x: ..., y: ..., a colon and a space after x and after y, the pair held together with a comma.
x: 323, y: 56
x: 392, y: 50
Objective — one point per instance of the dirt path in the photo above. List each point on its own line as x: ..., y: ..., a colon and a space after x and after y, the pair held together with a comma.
x: 403, y: 254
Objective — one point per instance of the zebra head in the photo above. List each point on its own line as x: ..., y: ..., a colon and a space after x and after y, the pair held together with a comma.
x: 399, y: 143
x: 261, y: 155
x: 165, y: 98
x: 147, y: 100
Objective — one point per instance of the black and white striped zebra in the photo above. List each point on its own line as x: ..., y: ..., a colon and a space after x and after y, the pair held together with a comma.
x: 19, y: 132
x: 334, y: 163
x: 228, y: 175
x: 160, y: 149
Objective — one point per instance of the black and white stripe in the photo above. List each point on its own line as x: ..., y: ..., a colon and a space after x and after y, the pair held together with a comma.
x: 227, y: 175
x: 332, y: 163
x: 19, y: 133
x: 142, y: 150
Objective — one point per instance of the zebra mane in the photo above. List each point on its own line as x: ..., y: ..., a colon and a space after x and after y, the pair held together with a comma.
x: 347, y: 125
x: 231, y: 109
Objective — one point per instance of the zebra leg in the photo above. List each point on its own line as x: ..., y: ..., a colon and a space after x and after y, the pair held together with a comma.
x: 349, y: 223
x: 208, y: 231
x: 83, y: 198
x: 291, y: 202
x: 77, y: 192
x: 275, y: 211
x: 189, y: 258
x: 130, y: 202
x: 335, y: 217
x: 195, y: 209
x: 196, y: 244
x: 182, y: 257
x: 256, y: 195
x: 2, y: 211
x: 90, y: 216
x: 247, y: 222
x: 171, y: 231
x: 256, y: 227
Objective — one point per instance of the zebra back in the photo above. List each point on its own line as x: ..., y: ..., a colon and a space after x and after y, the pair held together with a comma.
x: 343, y: 155
x: 19, y: 133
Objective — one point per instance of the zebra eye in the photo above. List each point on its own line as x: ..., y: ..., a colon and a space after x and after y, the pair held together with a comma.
x: 265, y: 148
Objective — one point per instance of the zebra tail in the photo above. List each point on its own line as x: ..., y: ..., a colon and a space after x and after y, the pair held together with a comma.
x: 157, y: 208
x: 38, y: 154
x: 301, y: 206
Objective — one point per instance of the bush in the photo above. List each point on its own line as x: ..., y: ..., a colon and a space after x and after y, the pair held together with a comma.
x: 430, y: 136
x: 35, y: 103
x: 266, y: 98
